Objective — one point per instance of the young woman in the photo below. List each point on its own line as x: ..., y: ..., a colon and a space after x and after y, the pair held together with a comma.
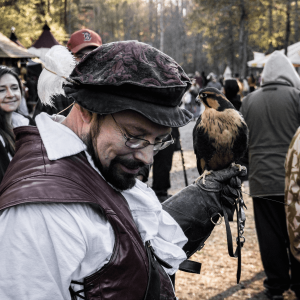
x: 10, y: 99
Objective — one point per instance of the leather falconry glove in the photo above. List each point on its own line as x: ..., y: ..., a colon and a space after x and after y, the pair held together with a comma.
x: 199, y: 207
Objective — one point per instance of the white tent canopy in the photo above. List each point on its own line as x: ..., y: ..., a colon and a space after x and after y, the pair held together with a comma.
x: 256, y: 62
x: 227, y: 73
x: 43, y: 43
x: 260, y: 59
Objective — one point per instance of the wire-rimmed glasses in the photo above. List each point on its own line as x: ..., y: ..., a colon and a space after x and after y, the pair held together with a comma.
x: 138, y: 143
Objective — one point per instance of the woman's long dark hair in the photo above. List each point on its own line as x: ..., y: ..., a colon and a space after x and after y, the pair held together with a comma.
x: 5, y: 128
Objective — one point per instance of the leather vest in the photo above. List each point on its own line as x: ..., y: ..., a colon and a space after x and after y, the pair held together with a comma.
x: 132, y: 272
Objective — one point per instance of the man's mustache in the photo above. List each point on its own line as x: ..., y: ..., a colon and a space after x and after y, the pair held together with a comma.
x: 128, y: 163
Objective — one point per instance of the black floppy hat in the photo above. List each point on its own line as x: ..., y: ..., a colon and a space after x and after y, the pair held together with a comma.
x: 131, y: 75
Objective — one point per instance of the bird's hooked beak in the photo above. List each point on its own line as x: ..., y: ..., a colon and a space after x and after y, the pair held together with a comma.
x: 201, y: 98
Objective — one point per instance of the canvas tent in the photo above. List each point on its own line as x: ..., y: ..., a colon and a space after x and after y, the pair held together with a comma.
x: 257, y: 61
x: 9, y: 49
x: 14, y: 38
x: 43, y: 43
x: 260, y: 59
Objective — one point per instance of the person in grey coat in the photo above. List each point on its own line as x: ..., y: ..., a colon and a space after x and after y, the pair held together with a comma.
x: 272, y: 114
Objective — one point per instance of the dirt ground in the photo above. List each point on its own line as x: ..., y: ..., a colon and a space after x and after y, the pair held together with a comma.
x: 218, y: 273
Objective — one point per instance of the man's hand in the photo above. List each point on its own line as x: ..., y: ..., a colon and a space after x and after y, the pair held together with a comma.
x: 198, y: 207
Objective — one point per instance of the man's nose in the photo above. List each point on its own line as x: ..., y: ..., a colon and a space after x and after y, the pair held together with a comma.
x: 145, y: 155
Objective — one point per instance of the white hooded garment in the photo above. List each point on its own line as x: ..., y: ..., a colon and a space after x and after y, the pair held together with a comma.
x: 280, y: 68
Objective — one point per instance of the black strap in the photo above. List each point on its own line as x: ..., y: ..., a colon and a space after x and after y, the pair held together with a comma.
x: 76, y: 294
x: 239, y: 240
x: 161, y: 261
x: 190, y: 266
x: 229, y: 235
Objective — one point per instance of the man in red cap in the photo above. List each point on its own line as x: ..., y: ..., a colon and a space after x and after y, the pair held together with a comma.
x: 80, y: 43
x: 83, y: 41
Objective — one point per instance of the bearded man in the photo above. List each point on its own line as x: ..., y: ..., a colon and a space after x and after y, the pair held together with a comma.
x: 75, y: 221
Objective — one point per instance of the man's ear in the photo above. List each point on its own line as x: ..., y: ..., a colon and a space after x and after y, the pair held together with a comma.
x: 86, y: 116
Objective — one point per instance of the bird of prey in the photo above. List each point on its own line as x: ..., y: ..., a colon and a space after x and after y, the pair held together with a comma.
x: 220, y: 136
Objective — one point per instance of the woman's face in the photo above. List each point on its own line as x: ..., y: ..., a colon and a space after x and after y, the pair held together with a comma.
x: 10, y: 93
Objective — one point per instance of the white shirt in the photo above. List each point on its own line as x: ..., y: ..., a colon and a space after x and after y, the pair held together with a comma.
x: 45, y: 246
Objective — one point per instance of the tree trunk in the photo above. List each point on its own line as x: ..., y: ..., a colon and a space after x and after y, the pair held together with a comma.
x: 117, y: 28
x: 270, y: 9
x: 196, y: 52
x: 177, y: 34
x: 183, y: 44
x: 65, y: 15
x: 161, y: 46
x: 151, y: 21
x: 242, y: 35
x: 287, y: 33
x: 231, y: 63
x: 156, y: 44
x: 245, y: 58
x: 296, y: 22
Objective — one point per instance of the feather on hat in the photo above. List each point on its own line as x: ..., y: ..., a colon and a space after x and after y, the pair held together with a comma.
x: 59, y: 63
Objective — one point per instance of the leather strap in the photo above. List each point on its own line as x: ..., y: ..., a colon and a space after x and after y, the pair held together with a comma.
x: 190, y: 266
x: 237, y: 252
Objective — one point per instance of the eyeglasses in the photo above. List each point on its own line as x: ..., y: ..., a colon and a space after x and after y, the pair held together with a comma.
x: 138, y: 143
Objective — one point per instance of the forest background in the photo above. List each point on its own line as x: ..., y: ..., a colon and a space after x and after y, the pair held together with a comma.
x: 201, y: 35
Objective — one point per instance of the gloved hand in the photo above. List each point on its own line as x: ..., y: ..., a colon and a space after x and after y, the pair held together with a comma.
x: 198, y: 207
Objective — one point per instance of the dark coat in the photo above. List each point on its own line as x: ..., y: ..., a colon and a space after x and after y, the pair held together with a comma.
x: 272, y: 114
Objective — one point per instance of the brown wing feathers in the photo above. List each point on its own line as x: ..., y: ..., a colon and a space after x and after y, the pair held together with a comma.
x: 220, y: 135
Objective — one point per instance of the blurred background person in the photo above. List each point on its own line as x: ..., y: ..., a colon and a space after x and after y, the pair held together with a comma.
x: 272, y: 114
x: 240, y: 84
x: 205, y: 81
x: 245, y: 87
x: 194, y: 91
x: 80, y: 43
x: 10, y: 99
x: 251, y: 83
x: 162, y: 166
x: 212, y: 82
x: 199, y: 80
x: 232, y: 90
x: 221, y: 80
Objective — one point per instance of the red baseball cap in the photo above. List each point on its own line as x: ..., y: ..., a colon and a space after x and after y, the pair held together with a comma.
x: 83, y: 38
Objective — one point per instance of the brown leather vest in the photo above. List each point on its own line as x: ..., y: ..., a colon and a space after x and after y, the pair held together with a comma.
x: 32, y: 177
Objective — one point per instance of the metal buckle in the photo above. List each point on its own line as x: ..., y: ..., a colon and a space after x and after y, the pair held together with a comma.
x: 219, y: 220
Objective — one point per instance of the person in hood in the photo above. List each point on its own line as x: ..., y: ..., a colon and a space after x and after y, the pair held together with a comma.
x: 272, y: 114
x: 212, y: 81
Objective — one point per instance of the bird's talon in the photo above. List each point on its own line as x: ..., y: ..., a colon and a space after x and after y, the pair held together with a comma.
x: 239, y: 166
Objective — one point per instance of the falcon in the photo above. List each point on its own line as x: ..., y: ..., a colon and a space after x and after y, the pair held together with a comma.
x: 220, y: 135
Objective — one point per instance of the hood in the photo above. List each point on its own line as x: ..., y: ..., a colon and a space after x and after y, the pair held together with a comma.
x: 280, y: 68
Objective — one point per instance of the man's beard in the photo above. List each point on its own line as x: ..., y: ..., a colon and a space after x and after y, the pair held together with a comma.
x: 112, y: 174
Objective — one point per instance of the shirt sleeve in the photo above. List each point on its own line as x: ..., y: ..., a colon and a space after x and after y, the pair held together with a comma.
x: 45, y: 246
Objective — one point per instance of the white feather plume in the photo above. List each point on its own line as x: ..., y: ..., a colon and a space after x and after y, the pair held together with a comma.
x: 60, y: 61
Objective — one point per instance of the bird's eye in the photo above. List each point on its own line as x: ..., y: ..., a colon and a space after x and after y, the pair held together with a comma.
x: 203, y: 95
